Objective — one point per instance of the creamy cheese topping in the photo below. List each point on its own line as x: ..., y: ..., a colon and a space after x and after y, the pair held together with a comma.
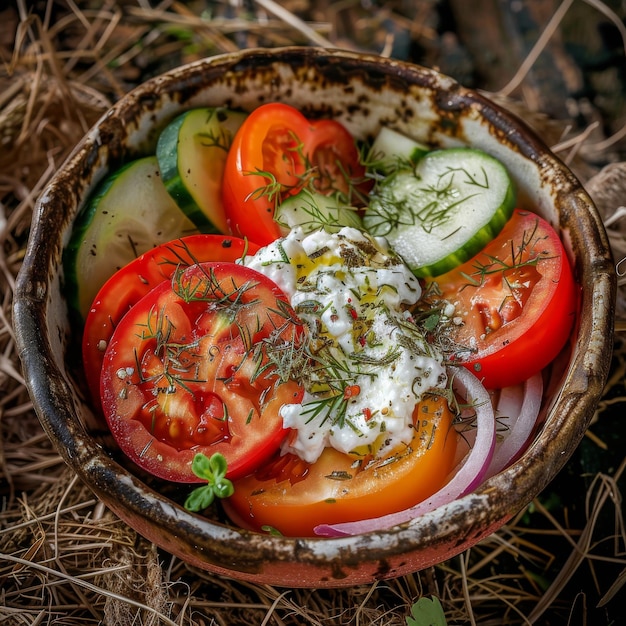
x: 369, y: 364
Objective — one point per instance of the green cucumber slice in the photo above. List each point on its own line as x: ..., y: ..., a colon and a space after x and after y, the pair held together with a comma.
x: 128, y: 213
x: 392, y: 151
x: 191, y: 151
x: 444, y: 211
x: 313, y: 211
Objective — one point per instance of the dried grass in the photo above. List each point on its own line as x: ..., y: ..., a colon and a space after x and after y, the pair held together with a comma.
x: 64, y: 558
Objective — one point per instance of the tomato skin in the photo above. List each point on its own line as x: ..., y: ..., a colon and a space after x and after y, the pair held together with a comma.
x: 520, y: 319
x: 129, y: 284
x: 294, y: 496
x: 179, y: 376
x: 277, y: 139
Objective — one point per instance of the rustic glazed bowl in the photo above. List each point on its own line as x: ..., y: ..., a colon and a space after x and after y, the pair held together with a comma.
x: 363, y: 92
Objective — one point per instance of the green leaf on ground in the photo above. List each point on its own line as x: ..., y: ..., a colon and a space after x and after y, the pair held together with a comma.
x: 427, y: 612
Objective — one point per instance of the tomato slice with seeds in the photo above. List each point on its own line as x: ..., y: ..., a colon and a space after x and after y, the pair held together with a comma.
x: 293, y: 496
x: 275, y: 153
x: 516, y: 302
x: 129, y: 284
x: 189, y: 369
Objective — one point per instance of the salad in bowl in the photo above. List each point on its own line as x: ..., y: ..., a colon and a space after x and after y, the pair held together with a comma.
x: 315, y: 317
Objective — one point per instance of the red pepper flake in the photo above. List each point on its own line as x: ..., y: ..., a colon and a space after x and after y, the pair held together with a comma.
x: 353, y: 312
x: 351, y: 391
x: 367, y: 412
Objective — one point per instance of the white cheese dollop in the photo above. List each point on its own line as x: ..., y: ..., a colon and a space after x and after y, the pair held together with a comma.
x: 370, y: 363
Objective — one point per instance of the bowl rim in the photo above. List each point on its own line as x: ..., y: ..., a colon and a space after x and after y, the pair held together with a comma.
x: 50, y: 390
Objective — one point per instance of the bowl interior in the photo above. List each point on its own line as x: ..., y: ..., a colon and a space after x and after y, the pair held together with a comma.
x: 364, y: 93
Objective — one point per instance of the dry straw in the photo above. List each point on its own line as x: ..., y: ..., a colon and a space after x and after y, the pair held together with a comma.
x: 64, y: 558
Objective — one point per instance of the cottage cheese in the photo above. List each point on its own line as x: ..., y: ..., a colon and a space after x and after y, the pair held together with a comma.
x: 370, y: 364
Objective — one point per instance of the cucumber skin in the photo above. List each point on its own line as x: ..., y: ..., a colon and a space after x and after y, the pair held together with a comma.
x: 474, y: 244
x: 168, y: 158
x: 72, y: 272
x: 168, y: 164
x: 71, y: 250
x: 471, y: 248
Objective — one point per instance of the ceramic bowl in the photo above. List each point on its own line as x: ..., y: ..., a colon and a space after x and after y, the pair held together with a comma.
x: 363, y: 92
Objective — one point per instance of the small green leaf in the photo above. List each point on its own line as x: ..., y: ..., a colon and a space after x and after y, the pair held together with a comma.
x: 217, y: 463
x: 427, y: 612
x: 201, y: 466
x: 213, y: 470
x: 223, y: 488
x: 432, y: 321
x: 200, y: 498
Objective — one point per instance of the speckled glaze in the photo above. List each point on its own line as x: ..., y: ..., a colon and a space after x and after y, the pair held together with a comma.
x: 363, y: 92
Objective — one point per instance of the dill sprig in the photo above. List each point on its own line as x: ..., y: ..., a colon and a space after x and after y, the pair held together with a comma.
x: 180, y: 360
x: 283, y: 352
x: 180, y: 255
x: 205, y: 286
x: 518, y: 252
x: 432, y: 206
x: 315, y: 217
x: 274, y: 354
x: 337, y: 182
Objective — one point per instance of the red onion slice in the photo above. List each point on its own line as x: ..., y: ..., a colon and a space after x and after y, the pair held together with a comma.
x: 467, y: 477
x: 521, y: 406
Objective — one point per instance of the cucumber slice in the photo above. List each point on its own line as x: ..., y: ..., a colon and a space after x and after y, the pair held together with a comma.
x: 392, y: 151
x: 313, y: 211
x: 128, y: 213
x: 191, y: 151
x: 444, y: 211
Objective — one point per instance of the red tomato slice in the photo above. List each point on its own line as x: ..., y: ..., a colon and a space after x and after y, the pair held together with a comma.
x: 129, y: 284
x: 517, y: 301
x: 293, y: 496
x: 188, y: 370
x: 275, y: 153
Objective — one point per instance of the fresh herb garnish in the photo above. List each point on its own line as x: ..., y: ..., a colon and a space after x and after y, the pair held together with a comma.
x: 432, y: 206
x: 213, y: 470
